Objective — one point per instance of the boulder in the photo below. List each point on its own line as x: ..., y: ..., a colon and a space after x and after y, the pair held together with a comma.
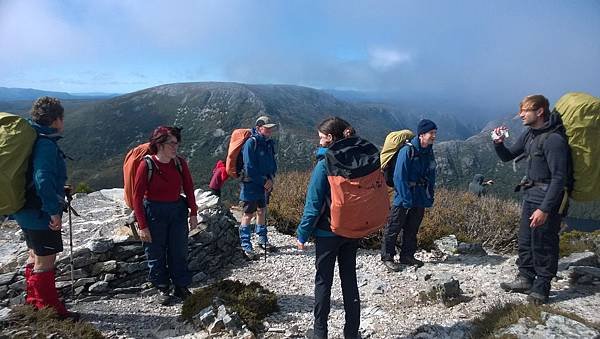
x: 7, y: 278
x: 205, y: 199
x: 84, y: 281
x: 552, y: 326
x: 471, y: 249
x: 584, y: 274
x: 99, y: 287
x: 443, y: 288
x: 18, y: 285
x: 104, y: 267
x: 578, y: 259
x: 447, y: 245
x: 101, y: 245
x: 205, y: 317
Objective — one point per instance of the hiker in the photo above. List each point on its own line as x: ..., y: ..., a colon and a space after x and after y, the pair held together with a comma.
x: 218, y: 178
x: 162, y: 213
x: 41, y: 217
x: 477, y: 185
x: 329, y: 246
x: 257, y: 177
x: 414, y: 182
x: 543, y: 189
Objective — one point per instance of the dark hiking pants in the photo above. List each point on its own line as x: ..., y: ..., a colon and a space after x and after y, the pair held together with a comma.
x: 538, y: 249
x: 327, y: 250
x: 168, y: 252
x: 407, y: 221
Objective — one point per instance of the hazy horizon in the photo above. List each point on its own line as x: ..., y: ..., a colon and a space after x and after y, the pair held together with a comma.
x: 483, y: 55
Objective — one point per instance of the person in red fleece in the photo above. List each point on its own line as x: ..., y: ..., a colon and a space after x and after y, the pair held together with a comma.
x: 218, y: 179
x: 162, y: 213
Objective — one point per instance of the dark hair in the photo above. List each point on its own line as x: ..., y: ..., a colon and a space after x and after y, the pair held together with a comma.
x: 161, y: 134
x: 337, y: 127
x: 45, y: 110
x: 535, y: 102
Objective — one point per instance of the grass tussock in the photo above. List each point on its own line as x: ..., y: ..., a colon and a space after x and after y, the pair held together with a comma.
x: 576, y: 241
x: 287, y: 201
x: 26, y: 322
x: 252, y: 302
x: 487, y: 220
x: 502, y: 316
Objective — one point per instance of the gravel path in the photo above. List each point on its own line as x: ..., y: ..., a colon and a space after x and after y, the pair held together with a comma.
x: 389, y: 301
x: 390, y: 306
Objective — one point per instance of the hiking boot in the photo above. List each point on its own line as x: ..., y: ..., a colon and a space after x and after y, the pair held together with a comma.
x: 519, y: 285
x: 182, y: 292
x: 537, y: 298
x: 392, y: 266
x: 268, y: 247
x: 411, y: 261
x: 163, y: 297
x: 251, y: 255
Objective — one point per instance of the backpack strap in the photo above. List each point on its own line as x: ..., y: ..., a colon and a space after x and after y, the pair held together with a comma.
x: 178, y: 165
x: 150, y: 164
x: 412, y: 152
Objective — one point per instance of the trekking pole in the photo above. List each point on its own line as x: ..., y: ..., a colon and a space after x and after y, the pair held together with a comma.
x: 70, y: 209
x: 268, y: 195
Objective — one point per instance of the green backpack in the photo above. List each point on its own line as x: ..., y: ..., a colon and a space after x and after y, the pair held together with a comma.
x: 16, y: 143
x: 580, y: 115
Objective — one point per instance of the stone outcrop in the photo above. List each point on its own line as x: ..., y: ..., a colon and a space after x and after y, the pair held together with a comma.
x: 117, y: 265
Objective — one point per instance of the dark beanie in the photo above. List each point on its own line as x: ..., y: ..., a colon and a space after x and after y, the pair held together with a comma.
x: 425, y: 126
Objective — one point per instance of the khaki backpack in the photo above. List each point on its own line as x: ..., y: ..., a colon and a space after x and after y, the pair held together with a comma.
x: 17, y: 138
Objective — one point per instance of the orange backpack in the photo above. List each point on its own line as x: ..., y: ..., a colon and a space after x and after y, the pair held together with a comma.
x: 234, y: 163
x: 132, y: 160
x: 359, y: 202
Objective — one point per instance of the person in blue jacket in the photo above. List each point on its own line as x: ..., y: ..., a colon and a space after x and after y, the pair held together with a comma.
x: 329, y: 246
x: 41, y: 217
x: 258, y: 175
x: 414, y: 182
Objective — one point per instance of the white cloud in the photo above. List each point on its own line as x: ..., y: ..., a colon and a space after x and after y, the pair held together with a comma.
x: 33, y: 32
x: 383, y: 59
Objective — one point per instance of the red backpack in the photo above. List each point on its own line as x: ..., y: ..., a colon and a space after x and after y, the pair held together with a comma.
x: 359, y: 202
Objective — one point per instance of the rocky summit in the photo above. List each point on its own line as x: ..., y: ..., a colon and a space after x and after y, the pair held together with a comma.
x: 446, y: 298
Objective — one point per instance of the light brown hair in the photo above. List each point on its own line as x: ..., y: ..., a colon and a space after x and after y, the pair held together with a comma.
x: 535, y: 102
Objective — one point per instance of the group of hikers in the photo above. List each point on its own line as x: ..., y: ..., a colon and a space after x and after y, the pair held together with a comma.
x: 347, y: 176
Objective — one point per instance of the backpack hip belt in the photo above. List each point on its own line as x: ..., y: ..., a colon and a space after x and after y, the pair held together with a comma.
x: 528, y: 183
x: 422, y: 182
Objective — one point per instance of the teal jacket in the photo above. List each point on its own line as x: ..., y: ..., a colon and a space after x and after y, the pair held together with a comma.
x: 48, y: 174
x: 316, y: 210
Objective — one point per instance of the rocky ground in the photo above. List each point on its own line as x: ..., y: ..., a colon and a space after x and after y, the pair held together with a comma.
x: 391, y: 306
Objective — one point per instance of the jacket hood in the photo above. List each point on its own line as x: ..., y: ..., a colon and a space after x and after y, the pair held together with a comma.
x: 417, y: 143
x: 46, y: 131
x: 553, y: 121
x: 478, y: 179
x: 259, y: 137
x: 320, y: 152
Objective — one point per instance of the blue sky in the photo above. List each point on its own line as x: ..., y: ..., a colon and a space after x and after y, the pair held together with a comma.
x: 468, y: 50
